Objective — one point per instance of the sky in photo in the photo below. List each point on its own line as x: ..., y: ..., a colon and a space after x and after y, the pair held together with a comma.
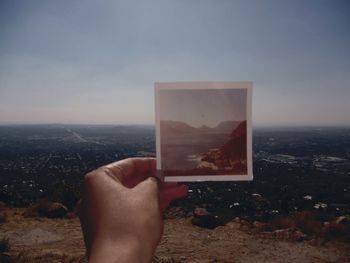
x: 96, y: 61
x: 203, y: 107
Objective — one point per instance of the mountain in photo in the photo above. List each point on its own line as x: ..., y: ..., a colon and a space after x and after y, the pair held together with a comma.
x: 178, y: 127
x: 227, y: 126
x: 236, y: 147
x: 232, y: 154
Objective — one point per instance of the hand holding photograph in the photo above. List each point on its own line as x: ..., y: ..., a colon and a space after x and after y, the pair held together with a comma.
x: 203, y: 131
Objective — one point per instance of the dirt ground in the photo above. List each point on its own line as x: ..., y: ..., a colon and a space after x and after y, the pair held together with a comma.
x: 60, y: 240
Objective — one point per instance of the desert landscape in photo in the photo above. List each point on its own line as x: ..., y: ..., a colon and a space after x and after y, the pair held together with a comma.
x: 220, y: 150
x: 203, y: 129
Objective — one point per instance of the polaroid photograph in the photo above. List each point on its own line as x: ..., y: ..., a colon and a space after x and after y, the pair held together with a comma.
x: 203, y: 131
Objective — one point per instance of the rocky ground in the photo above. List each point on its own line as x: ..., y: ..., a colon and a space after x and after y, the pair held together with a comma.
x: 37, y: 239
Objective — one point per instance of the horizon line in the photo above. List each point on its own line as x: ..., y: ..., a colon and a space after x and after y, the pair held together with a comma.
x: 257, y: 125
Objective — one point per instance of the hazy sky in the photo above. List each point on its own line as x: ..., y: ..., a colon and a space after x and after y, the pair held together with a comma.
x: 203, y: 107
x: 96, y: 61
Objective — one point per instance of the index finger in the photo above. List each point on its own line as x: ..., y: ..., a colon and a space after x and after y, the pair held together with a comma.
x: 135, y: 169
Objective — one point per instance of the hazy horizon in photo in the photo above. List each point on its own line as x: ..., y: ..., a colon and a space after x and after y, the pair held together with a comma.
x: 203, y: 107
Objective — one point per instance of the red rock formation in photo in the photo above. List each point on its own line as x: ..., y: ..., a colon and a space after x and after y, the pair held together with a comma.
x: 233, y: 154
x: 236, y: 147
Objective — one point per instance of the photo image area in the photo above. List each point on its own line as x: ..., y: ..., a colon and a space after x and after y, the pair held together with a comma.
x: 204, y: 130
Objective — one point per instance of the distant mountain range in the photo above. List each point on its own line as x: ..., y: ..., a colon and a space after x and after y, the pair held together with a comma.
x: 178, y: 127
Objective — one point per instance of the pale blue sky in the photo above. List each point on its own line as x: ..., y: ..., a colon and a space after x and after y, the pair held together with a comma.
x: 96, y: 61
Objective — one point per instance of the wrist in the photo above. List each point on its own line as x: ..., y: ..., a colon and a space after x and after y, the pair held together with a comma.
x: 126, y: 250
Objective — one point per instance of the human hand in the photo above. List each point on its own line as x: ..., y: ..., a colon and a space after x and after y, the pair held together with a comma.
x: 121, y: 210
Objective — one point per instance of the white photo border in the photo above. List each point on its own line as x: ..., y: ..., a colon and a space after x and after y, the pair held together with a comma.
x: 203, y: 85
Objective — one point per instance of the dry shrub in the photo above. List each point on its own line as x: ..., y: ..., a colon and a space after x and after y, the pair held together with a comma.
x: 311, y: 227
x: 2, y: 206
x: 283, y: 223
x: 263, y: 227
x: 336, y: 231
x: 3, y: 214
x: 307, y: 222
x: 304, y: 220
x: 71, y: 215
x: 44, y: 208
x: 3, y: 217
x: 303, y: 216
x: 36, y: 209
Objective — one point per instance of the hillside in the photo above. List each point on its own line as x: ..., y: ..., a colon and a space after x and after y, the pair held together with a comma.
x: 60, y: 240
